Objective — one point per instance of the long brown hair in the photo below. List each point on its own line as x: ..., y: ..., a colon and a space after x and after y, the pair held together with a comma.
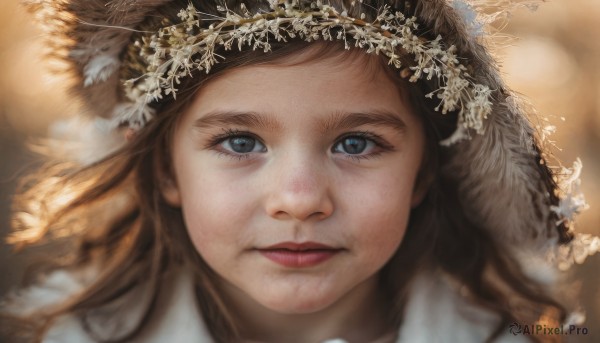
x: 134, y: 238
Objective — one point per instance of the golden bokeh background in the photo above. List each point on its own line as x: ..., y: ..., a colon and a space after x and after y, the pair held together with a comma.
x: 554, y: 60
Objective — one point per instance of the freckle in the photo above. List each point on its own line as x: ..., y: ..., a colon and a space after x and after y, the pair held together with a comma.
x: 300, y: 184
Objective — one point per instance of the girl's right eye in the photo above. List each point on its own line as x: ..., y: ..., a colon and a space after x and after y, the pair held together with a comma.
x: 242, y: 144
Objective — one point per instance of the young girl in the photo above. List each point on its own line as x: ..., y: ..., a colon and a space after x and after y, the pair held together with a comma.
x: 294, y: 171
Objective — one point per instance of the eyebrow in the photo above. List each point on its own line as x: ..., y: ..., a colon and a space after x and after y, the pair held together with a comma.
x: 344, y: 121
x: 249, y: 119
x: 336, y: 122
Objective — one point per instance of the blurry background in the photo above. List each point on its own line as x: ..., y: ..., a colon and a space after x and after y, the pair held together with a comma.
x: 555, y: 61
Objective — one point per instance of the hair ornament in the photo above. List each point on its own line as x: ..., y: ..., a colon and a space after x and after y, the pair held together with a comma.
x: 176, y: 51
x: 572, y: 202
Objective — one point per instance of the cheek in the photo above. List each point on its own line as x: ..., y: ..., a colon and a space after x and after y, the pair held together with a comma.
x: 380, y: 210
x: 216, y: 209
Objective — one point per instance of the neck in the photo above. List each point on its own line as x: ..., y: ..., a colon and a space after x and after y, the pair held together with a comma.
x: 359, y: 316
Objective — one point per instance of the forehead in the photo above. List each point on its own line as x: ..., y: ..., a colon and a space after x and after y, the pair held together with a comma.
x: 330, y: 55
x: 314, y: 81
x: 332, y: 52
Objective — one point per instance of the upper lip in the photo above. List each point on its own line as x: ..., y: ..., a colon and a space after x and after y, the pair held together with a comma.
x: 300, y: 246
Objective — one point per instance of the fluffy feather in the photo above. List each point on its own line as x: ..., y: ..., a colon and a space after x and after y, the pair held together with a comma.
x: 99, y: 69
x: 84, y: 140
x: 87, y: 33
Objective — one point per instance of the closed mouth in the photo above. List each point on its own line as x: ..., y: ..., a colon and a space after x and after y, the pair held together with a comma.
x: 299, y: 255
x: 305, y: 246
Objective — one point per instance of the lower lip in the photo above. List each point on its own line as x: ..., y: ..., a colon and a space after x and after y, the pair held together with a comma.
x: 298, y: 259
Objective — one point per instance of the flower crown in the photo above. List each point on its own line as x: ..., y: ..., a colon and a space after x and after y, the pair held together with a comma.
x: 175, y: 51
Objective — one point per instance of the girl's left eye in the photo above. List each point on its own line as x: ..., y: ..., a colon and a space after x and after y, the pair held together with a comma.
x: 355, y: 145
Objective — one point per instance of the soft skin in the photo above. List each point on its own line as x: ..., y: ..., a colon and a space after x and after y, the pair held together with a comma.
x: 299, y: 183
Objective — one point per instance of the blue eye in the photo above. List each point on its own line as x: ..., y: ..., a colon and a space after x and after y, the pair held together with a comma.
x: 242, y: 144
x: 354, y: 145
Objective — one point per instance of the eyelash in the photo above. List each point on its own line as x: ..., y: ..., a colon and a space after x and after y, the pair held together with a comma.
x: 230, y: 133
x: 380, y: 143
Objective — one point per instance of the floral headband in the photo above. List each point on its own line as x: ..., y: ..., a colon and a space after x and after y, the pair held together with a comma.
x: 175, y: 51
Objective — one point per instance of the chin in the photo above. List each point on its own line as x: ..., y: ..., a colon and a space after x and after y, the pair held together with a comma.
x: 298, y: 304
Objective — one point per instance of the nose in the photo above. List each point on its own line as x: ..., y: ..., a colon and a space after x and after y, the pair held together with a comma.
x: 299, y: 190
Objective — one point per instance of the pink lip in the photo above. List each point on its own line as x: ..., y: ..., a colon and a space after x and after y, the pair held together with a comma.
x: 299, y: 255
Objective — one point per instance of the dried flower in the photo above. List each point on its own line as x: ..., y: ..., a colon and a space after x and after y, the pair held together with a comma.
x: 572, y: 201
x: 582, y: 246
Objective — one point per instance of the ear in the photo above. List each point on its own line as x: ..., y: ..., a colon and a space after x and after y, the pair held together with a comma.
x: 422, y: 184
x: 168, y: 185
x: 170, y: 192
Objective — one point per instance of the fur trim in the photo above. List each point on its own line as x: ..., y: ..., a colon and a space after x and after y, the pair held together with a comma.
x: 178, y: 320
x: 90, y: 35
x: 503, y: 181
x: 436, y: 312
x: 84, y: 140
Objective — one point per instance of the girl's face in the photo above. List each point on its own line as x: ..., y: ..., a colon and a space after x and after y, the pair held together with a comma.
x: 296, y: 181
